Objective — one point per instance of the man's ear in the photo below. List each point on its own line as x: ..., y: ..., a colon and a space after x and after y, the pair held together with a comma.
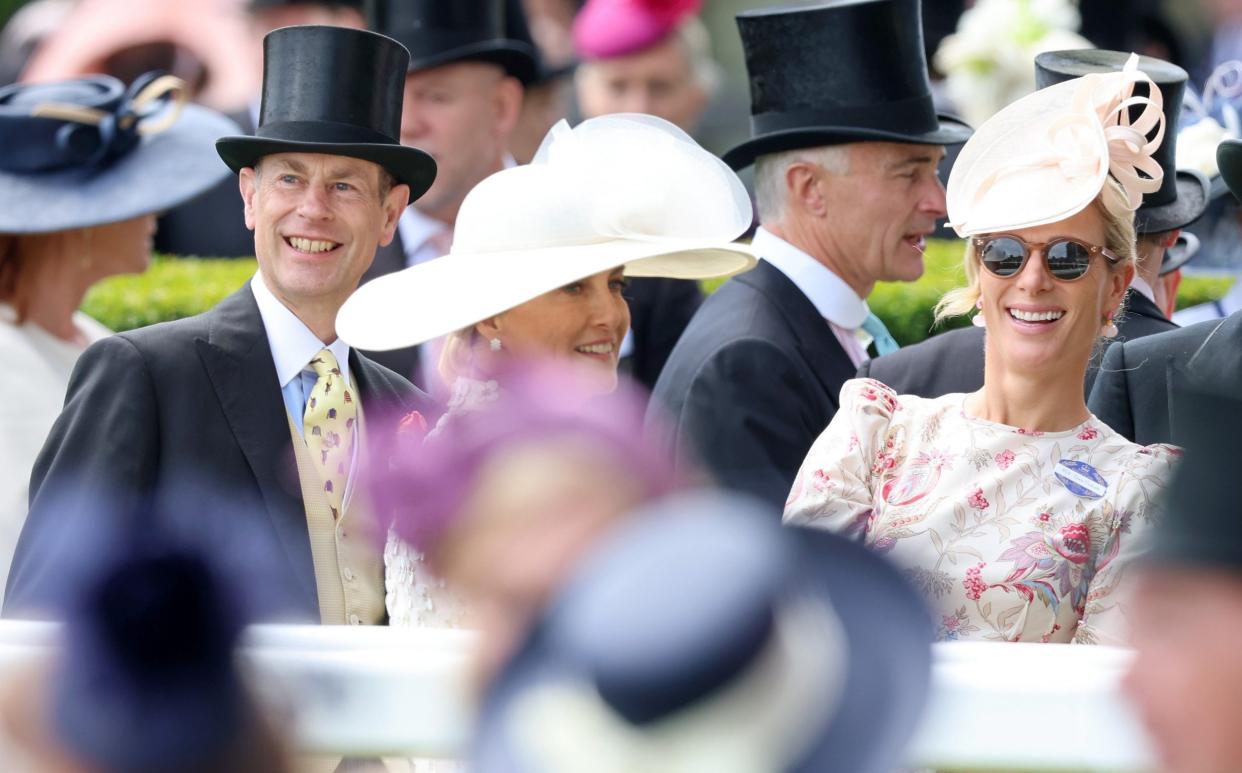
x: 395, y: 202
x: 248, y: 182
x: 802, y: 188
x: 488, y: 328
x: 509, y: 96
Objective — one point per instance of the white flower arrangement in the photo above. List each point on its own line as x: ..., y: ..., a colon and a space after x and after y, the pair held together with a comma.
x: 990, y: 60
x: 1201, y: 130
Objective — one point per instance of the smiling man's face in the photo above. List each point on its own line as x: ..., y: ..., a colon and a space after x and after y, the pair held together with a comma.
x: 317, y: 221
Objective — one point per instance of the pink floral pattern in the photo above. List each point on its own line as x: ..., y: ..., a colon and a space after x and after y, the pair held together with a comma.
x: 974, y: 513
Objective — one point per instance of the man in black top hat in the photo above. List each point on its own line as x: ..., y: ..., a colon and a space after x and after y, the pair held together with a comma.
x: 1186, y: 614
x: 953, y: 361
x: 847, y: 191
x: 258, y: 397
x: 463, y: 94
x: 211, y: 225
x: 1137, y: 390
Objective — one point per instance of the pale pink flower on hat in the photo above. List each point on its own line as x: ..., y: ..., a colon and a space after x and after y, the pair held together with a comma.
x: 605, y: 29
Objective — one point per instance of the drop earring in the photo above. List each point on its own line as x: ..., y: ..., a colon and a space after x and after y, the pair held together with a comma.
x: 1110, y: 328
x: 495, y: 344
x: 978, y: 320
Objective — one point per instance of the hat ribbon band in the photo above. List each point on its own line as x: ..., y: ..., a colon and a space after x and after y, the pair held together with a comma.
x: 913, y: 115
x: 760, y: 722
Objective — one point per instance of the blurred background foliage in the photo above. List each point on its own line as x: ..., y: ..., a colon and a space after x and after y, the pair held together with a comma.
x: 174, y: 287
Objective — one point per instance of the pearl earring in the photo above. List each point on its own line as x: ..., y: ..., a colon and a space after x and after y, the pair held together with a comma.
x: 495, y: 344
x: 978, y: 320
x: 1110, y: 328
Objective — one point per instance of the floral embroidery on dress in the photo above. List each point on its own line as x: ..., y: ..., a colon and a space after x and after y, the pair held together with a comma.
x: 976, y: 515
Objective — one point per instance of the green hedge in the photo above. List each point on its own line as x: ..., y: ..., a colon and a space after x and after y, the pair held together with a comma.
x: 174, y: 288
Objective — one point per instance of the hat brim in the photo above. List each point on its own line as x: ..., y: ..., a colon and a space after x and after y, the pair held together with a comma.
x: 409, y: 166
x: 515, y: 57
x: 444, y: 295
x: 951, y: 131
x: 164, y: 170
x: 1193, y: 197
x: 1181, y: 253
x: 888, y: 638
x: 1229, y: 161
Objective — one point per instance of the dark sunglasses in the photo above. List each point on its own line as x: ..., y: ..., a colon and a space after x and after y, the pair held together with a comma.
x: 1067, y: 259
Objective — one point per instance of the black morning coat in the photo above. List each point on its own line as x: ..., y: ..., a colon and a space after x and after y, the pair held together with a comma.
x: 952, y: 362
x: 1138, y: 378
x: 752, y: 383
x: 144, y: 409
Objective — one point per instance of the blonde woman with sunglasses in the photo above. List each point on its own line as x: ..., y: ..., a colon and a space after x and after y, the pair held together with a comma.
x: 1012, y: 508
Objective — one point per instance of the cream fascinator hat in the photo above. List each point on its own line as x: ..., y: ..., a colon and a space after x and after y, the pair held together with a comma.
x: 1047, y: 156
x: 620, y: 190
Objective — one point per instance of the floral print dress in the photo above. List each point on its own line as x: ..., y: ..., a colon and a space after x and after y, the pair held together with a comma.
x: 1011, y: 534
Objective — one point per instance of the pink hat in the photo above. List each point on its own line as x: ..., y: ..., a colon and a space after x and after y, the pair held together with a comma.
x: 605, y: 29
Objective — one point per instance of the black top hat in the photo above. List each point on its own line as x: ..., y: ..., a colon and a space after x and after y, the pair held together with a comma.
x: 260, y: 5
x: 1183, y: 193
x: 693, y: 597
x: 443, y: 31
x: 1199, y: 523
x: 313, y: 102
x: 843, y: 71
x: 1182, y: 252
x: 1229, y: 160
x: 518, y: 29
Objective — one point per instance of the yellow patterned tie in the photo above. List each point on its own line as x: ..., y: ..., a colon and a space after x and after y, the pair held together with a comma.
x: 328, y: 426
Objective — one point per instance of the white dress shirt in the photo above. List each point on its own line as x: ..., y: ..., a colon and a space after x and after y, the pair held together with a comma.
x: 1141, y: 286
x: 293, y: 346
x: 836, y: 302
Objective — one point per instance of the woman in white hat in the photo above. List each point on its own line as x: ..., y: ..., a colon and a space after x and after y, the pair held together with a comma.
x: 537, y: 271
x: 1013, y: 508
x: 86, y: 164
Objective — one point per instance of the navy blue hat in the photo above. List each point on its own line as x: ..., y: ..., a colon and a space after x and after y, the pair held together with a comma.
x: 1229, y: 159
x: 90, y: 151
x: 147, y: 680
x: 703, y: 631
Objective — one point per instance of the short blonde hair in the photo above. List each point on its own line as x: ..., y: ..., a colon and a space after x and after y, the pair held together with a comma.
x: 1119, y: 237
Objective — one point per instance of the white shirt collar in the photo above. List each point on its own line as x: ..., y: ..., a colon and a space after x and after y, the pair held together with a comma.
x: 292, y: 343
x: 1137, y: 283
x: 834, y: 299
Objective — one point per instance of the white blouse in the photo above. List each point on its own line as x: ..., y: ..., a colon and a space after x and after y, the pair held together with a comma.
x: 1010, y: 534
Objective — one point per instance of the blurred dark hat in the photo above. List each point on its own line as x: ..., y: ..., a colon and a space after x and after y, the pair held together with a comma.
x: 92, y: 151
x: 1229, y: 159
x: 147, y: 680
x: 518, y: 28
x: 842, y: 71
x: 438, y: 32
x: 704, y: 636
x: 312, y: 102
x: 1181, y: 253
x: 1199, y: 523
x: 1184, y: 194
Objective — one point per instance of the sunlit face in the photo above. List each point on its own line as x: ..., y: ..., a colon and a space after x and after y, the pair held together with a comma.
x: 1186, y: 678
x: 881, y: 213
x: 582, y: 323
x: 317, y: 221
x: 121, y: 248
x: 1074, y: 312
x: 460, y: 114
x: 658, y: 81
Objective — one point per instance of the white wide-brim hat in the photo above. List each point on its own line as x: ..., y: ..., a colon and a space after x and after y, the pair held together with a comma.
x: 620, y: 190
x: 1047, y: 156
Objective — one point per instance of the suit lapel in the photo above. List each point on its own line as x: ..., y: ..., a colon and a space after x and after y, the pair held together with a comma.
x: 239, y: 363
x: 1216, y: 366
x: 814, y: 337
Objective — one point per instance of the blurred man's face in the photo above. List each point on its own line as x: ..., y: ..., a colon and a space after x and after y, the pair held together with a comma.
x: 659, y: 81
x: 462, y: 114
x: 1186, y: 679
x: 268, y: 19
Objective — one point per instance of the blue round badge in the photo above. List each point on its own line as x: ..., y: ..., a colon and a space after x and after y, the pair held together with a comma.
x: 1081, y: 479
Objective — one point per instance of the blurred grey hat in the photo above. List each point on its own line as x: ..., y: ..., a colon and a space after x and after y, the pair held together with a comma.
x: 92, y: 151
x: 705, y: 636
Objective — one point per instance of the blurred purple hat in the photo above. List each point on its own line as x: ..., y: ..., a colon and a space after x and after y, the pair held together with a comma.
x: 423, y: 488
x: 605, y: 29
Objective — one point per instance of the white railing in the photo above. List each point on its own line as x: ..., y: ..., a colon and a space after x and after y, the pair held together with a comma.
x: 405, y: 692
